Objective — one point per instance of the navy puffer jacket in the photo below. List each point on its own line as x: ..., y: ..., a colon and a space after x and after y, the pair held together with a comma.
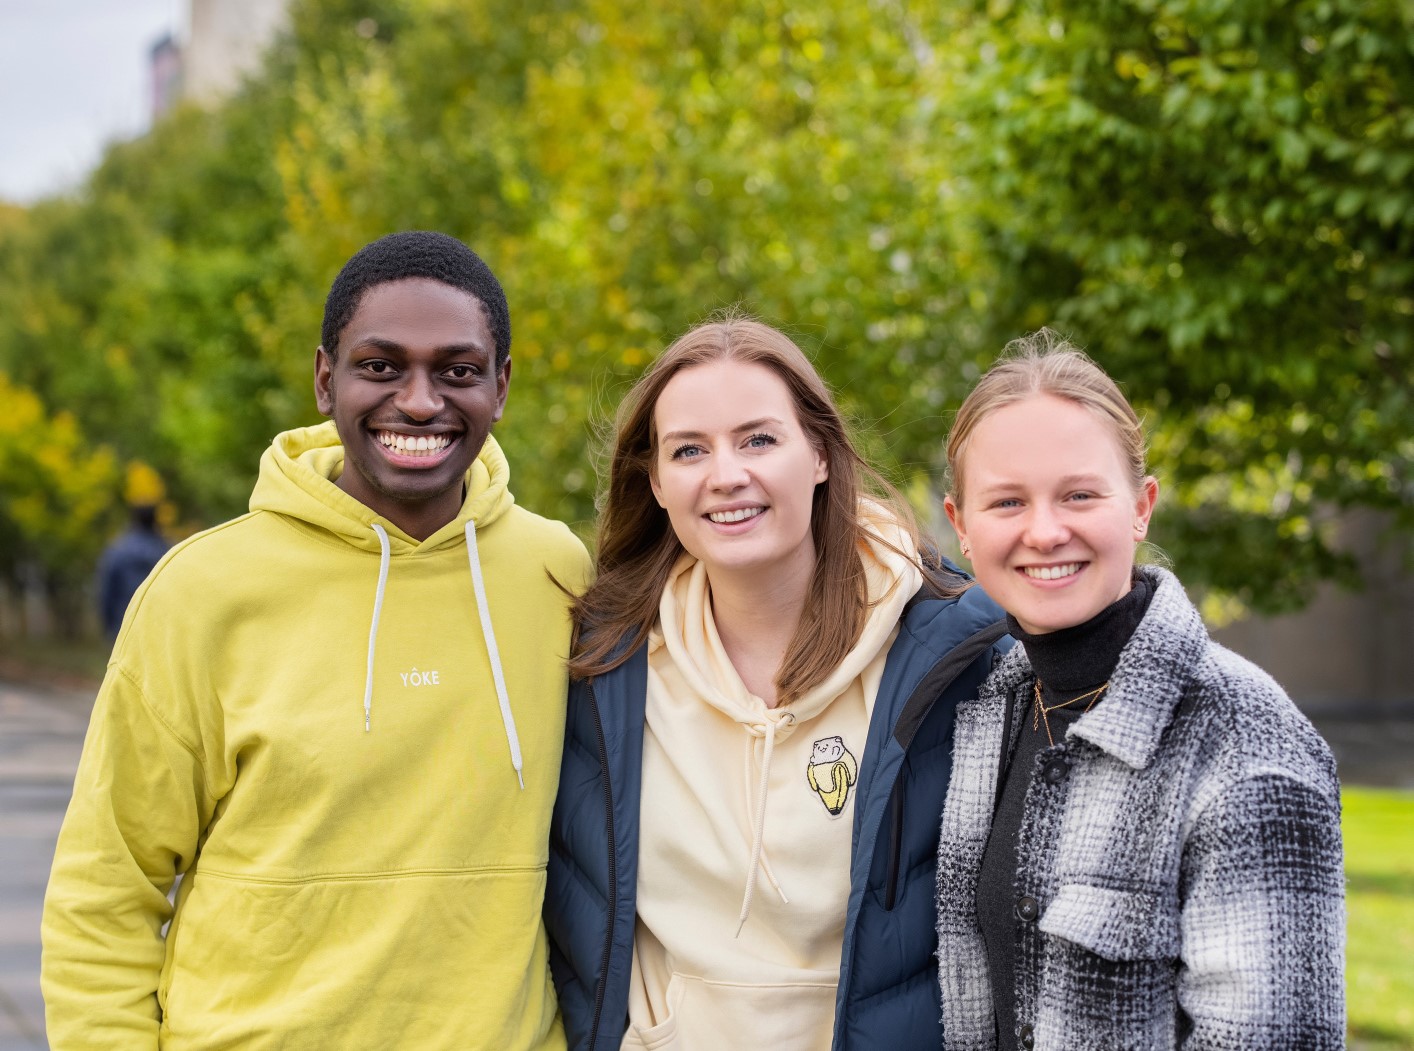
x: 888, y: 991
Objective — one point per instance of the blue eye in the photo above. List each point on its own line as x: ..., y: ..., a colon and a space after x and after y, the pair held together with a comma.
x: 760, y: 441
x: 683, y: 452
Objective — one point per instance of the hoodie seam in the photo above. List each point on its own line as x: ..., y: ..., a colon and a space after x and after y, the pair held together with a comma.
x: 428, y: 872
x: 193, y: 750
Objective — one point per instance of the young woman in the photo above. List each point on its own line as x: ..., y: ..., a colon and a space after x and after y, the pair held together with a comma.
x: 742, y: 848
x: 1141, y: 839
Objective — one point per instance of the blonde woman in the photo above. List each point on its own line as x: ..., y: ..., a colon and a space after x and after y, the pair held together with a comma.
x: 1141, y: 839
x: 758, y: 741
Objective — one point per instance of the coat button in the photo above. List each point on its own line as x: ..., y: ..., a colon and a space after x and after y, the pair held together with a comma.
x: 1028, y: 1037
x: 1027, y: 909
x: 1055, y: 771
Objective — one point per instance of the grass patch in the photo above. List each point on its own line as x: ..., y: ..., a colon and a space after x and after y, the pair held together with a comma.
x: 1379, y: 862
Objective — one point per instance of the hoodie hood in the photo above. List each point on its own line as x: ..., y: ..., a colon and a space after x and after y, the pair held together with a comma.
x: 300, y: 469
x: 686, y: 627
x: 687, y: 631
x: 298, y: 476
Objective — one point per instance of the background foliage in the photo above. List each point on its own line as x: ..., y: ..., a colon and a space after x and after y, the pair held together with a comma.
x: 1212, y: 195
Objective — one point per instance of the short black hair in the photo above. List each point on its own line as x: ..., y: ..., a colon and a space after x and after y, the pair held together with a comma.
x: 416, y: 253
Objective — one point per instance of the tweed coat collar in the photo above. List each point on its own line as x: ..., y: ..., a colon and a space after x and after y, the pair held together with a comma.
x: 1152, y: 675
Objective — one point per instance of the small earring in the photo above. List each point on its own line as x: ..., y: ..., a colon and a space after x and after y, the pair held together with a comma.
x: 966, y: 550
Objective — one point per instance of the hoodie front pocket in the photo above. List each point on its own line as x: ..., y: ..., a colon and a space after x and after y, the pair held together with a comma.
x: 705, y: 1015
x: 663, y: 1036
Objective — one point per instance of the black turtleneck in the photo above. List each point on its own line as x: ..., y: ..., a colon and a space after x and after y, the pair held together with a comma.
x: 1069, y: 663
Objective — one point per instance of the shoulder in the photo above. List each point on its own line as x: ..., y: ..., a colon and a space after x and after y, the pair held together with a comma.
x: 188, y: 599
x: 1254, y: 728
x: 213, y: 558
x: 941, y: 624
x: 551, y: 543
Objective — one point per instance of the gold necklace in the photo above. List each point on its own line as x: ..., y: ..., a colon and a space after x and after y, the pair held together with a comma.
x: 1039, y: 719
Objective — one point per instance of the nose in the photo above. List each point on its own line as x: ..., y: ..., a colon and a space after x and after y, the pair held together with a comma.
x: 728, y: 472
x: 417, y: 397
x: 1045, y: 528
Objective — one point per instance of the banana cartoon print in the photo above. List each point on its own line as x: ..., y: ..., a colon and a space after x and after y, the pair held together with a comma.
x: 831, y: 772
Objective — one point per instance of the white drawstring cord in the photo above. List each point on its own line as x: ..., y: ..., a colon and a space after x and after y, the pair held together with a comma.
x: 758, y: 838
x: 484, y: 609
x: 373, y: 628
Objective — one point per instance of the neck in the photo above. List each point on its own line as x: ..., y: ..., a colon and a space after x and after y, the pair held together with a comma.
x: 418, y: 520
x: 1084, y: 655
x: 756, y: 621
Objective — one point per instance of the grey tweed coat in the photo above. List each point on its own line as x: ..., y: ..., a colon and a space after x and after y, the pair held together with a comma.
x: 1182, y: 850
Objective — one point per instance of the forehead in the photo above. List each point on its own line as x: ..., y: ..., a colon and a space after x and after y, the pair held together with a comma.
x: 418, y: 310
x: 719, y: 395
x: 1041, y: 438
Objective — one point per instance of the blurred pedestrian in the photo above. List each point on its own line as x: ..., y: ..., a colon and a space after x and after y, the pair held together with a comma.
x: 1141, y: 840
x: 125, y: 564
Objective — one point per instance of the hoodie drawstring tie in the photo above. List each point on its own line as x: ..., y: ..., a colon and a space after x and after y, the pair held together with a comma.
x: 484, y: 610
x: 373, y: 628
x: 759, y: 823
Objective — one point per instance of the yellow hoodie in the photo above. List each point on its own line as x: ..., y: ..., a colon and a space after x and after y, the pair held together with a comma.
x: 302, y: 717
x: 745, y: 829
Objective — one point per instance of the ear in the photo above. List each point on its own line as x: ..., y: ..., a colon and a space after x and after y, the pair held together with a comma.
x: 1144, y: 506
x: 822, y: 467
x: 323, y: 382
x: 954, y: 514
x: 503, y: 387
x: 657, y: 489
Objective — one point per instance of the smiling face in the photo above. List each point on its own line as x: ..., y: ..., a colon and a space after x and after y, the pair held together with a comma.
x: 413, y: 391
x: 1049, y: 512
x: 735, y: 471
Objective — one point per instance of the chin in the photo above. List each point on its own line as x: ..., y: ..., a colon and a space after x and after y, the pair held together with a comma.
x: 1042, y: 622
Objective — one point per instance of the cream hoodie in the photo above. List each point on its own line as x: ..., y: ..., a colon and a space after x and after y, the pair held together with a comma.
x: 744, y: 852
x: 309, y: 715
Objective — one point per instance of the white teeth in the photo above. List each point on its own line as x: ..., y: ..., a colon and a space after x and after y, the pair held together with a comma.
x: 1051, y: 572
x: 726, y: 517
x: 411, y: 445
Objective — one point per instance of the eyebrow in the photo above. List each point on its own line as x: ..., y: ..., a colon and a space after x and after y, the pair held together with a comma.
x: 450, y: 350
x: 1065, y: 481
x: 749, y: 425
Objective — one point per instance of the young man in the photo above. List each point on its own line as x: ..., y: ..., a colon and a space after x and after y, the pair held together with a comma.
x: 338, y: 718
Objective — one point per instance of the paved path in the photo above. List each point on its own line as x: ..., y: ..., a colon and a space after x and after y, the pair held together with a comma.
x: 41, y: 734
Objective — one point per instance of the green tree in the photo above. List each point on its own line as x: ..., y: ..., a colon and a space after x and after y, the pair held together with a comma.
x: 1215, y: 196
x: 1211, y: 194
x: 56, y: 495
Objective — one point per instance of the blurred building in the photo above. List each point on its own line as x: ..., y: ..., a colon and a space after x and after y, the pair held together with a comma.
x: 165, y: 70
x: 224, y: 40
x: 1347, y: 654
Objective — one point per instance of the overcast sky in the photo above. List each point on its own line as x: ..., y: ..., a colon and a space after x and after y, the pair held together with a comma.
x: 73, y: 76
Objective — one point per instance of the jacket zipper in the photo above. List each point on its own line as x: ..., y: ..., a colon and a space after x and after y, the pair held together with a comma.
x: 603, y: 982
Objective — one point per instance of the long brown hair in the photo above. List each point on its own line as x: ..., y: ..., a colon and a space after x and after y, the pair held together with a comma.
x: 637, y: 547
